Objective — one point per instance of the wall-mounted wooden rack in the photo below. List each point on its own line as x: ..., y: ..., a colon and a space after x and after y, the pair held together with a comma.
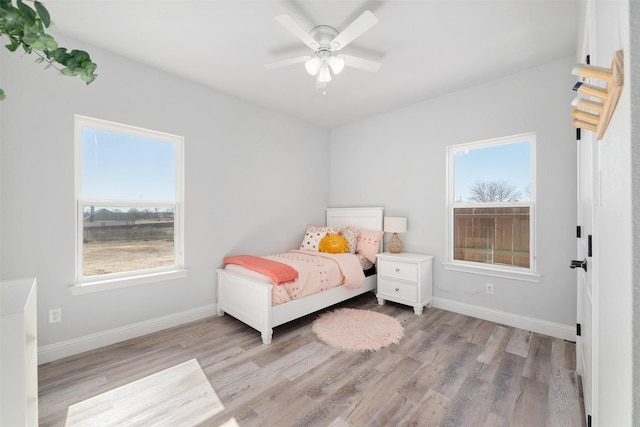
x: 594, y: 113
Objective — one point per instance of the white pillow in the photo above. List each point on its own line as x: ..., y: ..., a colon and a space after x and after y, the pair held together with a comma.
x: 313, y: 235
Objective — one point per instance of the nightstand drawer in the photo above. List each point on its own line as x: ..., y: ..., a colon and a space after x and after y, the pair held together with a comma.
x: 398, y: 270
x: 406, y: 291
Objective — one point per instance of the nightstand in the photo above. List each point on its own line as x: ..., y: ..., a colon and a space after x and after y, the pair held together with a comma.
x: 405, y: 278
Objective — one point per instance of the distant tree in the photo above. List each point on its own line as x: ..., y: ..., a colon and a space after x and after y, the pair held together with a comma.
x: 494, y: 191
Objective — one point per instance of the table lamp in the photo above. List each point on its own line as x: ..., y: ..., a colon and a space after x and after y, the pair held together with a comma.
x: 395, y: 225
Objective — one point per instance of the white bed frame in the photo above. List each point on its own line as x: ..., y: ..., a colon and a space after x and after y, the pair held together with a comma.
x: 249, y: 300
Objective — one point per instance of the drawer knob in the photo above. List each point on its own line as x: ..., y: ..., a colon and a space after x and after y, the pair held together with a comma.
x: 397, y: 270
x: 397, y: 289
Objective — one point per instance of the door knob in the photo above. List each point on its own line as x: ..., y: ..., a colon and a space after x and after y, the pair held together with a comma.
x: 579, y: 264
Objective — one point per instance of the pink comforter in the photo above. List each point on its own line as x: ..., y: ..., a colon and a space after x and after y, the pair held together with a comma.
x: 318, y: 271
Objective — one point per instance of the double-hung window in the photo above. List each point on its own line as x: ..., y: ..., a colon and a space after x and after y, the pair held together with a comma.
x: 491, y: 207
x: 129, y: 196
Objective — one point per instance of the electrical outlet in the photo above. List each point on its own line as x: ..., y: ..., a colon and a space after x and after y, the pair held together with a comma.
x: 55, y: 315
x: 489, y: 288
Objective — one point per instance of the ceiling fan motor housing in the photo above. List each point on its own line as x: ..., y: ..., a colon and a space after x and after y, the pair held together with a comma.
x: 324, y: 34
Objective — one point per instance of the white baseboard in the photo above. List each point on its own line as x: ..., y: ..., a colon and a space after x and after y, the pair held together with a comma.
x: 523, y: 322
x: 51, y: 352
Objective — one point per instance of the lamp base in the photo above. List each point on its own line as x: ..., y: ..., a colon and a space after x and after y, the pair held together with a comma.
x: 395, y: 245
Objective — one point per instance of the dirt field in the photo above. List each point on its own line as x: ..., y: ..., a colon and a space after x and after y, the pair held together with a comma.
x: 118, y: 256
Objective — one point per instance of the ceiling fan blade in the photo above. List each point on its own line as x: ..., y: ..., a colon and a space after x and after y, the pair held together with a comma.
x: 287, y: 62
x: 354, y: 30
x: 296, y: 29
x: 361, y: 63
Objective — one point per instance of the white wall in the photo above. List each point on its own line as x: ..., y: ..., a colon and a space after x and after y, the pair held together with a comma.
x: 253, y: 180
x: 613, y: 225
x: 400, y: 163
x: 634, y: 86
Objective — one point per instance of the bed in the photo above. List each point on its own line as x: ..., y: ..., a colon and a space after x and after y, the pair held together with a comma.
x: 250, y: 300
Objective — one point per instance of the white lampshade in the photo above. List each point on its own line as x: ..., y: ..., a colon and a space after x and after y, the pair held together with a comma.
x: 313, y: 65
x: 324, y: 75
x: 395, y: 224
x: 336, y: 63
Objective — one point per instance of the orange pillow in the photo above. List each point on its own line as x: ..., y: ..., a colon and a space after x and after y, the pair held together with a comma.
x: 334, y: 244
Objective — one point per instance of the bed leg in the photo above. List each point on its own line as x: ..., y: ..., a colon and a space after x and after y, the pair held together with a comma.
x: 266, y: 337
x: 220, y: 312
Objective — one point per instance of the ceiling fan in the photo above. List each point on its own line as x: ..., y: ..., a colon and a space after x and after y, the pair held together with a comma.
x: 325, y: 41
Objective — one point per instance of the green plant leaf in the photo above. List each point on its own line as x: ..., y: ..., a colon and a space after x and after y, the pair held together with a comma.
x: 15, y: 43
x: 43, y: 13
x: 2, y: 95
x: 9, y: 17
x: 28, y: 14
x: 49, y: 42
x: 60, y: 55
x: 67, y: 72
x: 30, y: 39
x: 80, y: 55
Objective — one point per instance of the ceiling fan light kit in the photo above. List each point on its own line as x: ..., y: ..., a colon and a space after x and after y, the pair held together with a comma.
x: 325, y: 40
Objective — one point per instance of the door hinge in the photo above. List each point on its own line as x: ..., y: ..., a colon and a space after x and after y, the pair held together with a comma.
x: 578, y: 232
x: 578, y: 329
x: 588, y: 420
x: 578, y: 136
x: 589, y: 247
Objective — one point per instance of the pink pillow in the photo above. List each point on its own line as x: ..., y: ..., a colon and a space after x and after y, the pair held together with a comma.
x: 314, y: 234
x: 369, y: 242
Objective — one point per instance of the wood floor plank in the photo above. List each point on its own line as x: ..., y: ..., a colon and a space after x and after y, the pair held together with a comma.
x: 448, y: 370
x: 506, y: 385
x: 538, y: 366
x: 428, y: 412
x: 477, y: 332
x: 455, y: 372
x: 564, y: 403
x: 563, y: 354
x: 360, y: 412
x: 531, y: 406
x: 519, y: 343
x: 495, y: 345
x: 470, y: 405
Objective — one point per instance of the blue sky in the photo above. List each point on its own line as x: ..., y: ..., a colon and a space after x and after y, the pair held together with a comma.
x: 506, y: 162
x: 118, y: 166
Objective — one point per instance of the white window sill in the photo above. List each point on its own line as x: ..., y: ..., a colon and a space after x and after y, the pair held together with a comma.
x: 524, y: 275
x: 125, y: 282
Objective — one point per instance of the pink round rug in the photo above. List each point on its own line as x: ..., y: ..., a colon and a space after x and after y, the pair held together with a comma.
x: 357, y: 330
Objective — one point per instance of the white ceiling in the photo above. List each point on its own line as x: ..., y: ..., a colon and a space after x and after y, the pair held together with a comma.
x: 427, y: 47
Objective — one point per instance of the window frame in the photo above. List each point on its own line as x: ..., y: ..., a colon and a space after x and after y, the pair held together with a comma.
x: 84, y: 284
x: 511, y: 272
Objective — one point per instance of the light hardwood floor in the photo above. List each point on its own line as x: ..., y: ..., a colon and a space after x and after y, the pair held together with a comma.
x: 448, y: 370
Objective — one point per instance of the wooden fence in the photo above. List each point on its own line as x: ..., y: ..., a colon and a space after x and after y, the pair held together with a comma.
x: 162, y: 230
x: 492, y: 235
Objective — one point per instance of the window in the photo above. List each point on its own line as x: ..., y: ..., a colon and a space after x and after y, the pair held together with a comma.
x: 491, y: 203
x: 129, y: 201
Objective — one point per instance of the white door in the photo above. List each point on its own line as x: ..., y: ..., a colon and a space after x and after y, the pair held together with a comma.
x: 586, y: 248
x: 587, y: 163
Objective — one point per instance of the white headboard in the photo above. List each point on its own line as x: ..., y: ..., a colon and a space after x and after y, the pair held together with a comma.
x: 365, y: 218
